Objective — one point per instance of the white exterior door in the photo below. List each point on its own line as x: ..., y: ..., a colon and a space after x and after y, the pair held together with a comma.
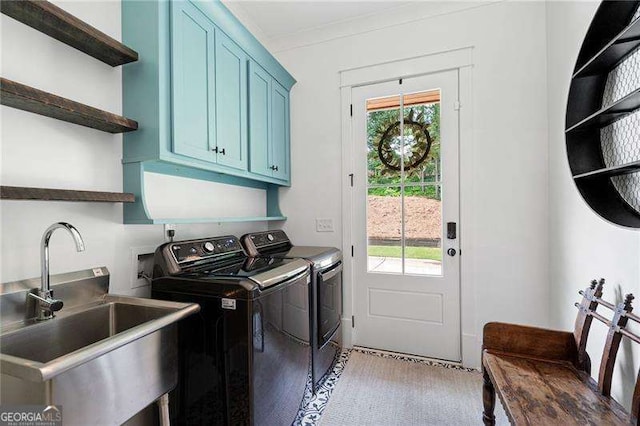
x: 405, y: 216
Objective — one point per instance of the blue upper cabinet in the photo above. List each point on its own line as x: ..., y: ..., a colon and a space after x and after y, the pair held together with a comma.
x: 206, y: 93
x: 231, y: 103
x: 259, y: 120
x: 193, y: 89
x: 280, y: 131
x: 268, y: 125
x: 209, y: 89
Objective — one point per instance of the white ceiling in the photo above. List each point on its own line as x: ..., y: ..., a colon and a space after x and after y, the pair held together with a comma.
x: 281, y: 18
x: 282, y: 25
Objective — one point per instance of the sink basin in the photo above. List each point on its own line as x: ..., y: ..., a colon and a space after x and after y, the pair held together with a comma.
x: 103, y: 361
x: 42, y: 350
x: 49, y: 340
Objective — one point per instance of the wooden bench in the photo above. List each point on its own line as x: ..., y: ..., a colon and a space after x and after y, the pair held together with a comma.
x: 543, y: 377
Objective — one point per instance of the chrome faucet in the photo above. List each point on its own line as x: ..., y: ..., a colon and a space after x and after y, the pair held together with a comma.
x: 47, y: 305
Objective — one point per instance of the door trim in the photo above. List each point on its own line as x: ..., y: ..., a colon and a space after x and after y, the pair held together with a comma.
x: 406, y: 68
x: 460, y: 59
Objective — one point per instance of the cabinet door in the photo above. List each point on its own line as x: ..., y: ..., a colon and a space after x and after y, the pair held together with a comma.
x: 280, y: 131
x: 193, y: 87
x: 231, y: 103
x: 259, y: 120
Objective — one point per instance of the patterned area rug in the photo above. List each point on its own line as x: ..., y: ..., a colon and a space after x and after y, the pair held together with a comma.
x: 380, y: 388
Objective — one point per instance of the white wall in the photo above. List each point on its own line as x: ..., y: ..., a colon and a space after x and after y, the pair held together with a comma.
x: 507, y: 237
x: 582, y: 246
x: 43, y: 152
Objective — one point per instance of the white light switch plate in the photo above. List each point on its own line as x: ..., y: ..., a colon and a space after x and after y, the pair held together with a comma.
x: 324, y: 225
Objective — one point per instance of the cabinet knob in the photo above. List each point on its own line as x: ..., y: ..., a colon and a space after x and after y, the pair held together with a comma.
x: 215, y: 150
x: 275, y: 168
x: 222, y: 152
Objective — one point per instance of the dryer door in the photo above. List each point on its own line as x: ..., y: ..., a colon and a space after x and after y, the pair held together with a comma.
x: 329, y: 302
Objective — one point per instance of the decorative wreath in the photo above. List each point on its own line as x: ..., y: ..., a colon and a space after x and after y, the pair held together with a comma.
x: 419, y: 146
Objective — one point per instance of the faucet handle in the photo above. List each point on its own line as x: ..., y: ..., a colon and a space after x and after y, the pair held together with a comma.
x: 55, y: 305
x: 47, y: 302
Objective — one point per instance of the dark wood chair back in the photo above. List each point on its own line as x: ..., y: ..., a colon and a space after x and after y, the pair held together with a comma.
x: 588, y: 304
x: 622, y: 314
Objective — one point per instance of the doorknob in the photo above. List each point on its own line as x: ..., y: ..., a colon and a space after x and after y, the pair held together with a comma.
x: 451, y: 252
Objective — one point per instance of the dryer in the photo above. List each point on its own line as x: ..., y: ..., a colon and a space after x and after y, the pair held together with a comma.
x: 325, y: 308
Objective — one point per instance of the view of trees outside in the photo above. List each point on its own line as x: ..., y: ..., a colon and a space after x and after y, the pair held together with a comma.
x: 422, y: 191
x: 380, y: 174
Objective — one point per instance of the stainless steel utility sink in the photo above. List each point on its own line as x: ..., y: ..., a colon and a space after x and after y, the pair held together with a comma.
x: 102, y: 361
x: 49, y: 340
x: 40, y: 351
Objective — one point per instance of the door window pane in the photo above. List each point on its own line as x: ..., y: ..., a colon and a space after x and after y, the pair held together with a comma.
x: 422, y: 240
x: 384, y: 143
x: 404, y: 195
x: 423, y: 230
x: 384, y: 230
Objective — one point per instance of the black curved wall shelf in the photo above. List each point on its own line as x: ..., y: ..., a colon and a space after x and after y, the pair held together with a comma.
x: 611, y: 37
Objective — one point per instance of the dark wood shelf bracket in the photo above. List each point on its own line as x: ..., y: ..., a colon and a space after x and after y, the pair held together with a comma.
x: 55, y: 22
x: 45, y: 194
x: 27, y: 98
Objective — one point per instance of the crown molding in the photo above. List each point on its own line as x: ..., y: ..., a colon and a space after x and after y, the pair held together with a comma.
x: 238, y: 9
x: 377, y: 21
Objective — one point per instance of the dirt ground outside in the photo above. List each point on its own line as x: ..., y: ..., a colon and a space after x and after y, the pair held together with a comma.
x: 423, y: 217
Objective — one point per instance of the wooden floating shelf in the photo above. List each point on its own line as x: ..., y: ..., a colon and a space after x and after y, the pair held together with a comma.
x: 622, y: 169
x: 27, y: 98
x: 609, y: 114
x: 55, y: 22
x: 615, y: 51
x: 45, y: 194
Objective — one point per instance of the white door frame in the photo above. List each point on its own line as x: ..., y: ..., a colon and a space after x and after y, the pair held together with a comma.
x: 461, y: 59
